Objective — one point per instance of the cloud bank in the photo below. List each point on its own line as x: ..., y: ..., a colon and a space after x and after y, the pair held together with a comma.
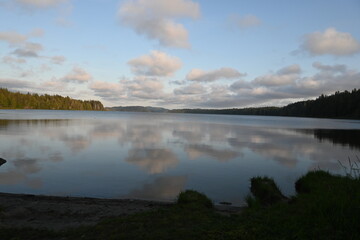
x: 331, y: 42
x: 156, y: 19
x: 157, y: 63
x: 77, y: 75
x: 199, y: 75
x: 40, y: 3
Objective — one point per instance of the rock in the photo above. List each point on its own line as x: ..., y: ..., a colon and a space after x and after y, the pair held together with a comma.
x: 2, y: 161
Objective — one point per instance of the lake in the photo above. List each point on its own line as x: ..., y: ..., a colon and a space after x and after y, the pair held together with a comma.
x: 156, y: 155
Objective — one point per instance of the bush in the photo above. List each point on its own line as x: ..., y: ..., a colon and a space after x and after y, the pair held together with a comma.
x: 265, y: 190
x: 191, y: 197
x: 313, y: 181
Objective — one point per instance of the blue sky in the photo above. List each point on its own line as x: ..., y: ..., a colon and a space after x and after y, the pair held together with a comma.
x: 180, y: 53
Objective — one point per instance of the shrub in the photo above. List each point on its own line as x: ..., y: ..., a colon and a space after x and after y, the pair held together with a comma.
x: 266, y: 191
x: 313, y: 181
x: 191, y: 197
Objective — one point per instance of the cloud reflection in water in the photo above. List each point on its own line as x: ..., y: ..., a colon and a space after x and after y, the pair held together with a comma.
x: 152, y: 160
x: 162, y: 188
x: 163, y: 144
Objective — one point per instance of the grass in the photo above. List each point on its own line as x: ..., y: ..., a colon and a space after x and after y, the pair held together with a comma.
x: 325, y: 207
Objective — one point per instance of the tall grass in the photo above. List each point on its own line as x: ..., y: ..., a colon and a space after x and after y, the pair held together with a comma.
x: 353, y: 168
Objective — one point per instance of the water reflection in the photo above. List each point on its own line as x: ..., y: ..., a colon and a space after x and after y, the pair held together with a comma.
x: 162, y: 188
x: 198, y: 151
x: 125, y: 150
x: 152, y: 160
x: 20, y: 172
x: 344, y: 137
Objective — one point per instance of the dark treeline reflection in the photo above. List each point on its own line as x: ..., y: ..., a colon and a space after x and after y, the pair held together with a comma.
x: 8, y: 123
x: 344, y: 137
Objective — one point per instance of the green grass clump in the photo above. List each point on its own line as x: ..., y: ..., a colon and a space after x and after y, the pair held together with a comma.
x: 314, y: 181
x: 265, y: 191
x: 191, y: 197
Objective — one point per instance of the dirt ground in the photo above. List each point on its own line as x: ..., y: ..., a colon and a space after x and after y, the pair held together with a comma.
x: 57, y: 213
x: 22, y: 210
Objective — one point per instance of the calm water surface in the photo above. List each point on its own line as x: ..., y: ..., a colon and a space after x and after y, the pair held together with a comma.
x: 155, y: 156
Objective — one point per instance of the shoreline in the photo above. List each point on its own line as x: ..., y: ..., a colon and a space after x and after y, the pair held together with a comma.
x: 59, y: 213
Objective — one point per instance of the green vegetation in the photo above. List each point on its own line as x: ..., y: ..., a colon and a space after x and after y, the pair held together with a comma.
x: 325, y: 207
x: 265, y: 191
x: 339, y: 105
x: 16, y: 100
x: 194, y: 198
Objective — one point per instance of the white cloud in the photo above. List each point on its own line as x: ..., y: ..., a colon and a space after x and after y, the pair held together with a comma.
x: 241, y: 84
x: 292, y: 69
x: 194, y: 88
x: 107, y: 91
x: 246, y: 21
x: 13, y: 38
x: 40, y: 3
x: 331, y: 42
x: 280, y: 88
x: 14, y: 84
x: 11, y: 60
x: 131, y: 91
x: 77, y: 75
x: 20, y: 52
x: 23, y: 48
x: 211, y: 76
x: 144, y: 88
x: 155, y: 19
x: 330, y: 68
x: 28, y: 49
x: 58, y: 59
x: 53, y: 85
x: 33, y: 46
x: 285, y: 76
x: 155, y: 64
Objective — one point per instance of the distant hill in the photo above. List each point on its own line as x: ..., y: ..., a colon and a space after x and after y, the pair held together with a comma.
x: 17, y: 100
x: 339, y: 105
x: 137, y: 109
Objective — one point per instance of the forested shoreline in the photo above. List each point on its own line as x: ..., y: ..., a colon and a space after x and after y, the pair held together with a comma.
x: 338, y: 105
x: 17, y: 100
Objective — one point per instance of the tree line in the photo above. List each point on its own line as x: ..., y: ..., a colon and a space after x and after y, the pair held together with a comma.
x: 17, y: 100
x: 339, y: 105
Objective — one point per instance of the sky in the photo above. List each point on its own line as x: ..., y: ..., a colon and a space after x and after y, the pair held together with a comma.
x: 181, y: 53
